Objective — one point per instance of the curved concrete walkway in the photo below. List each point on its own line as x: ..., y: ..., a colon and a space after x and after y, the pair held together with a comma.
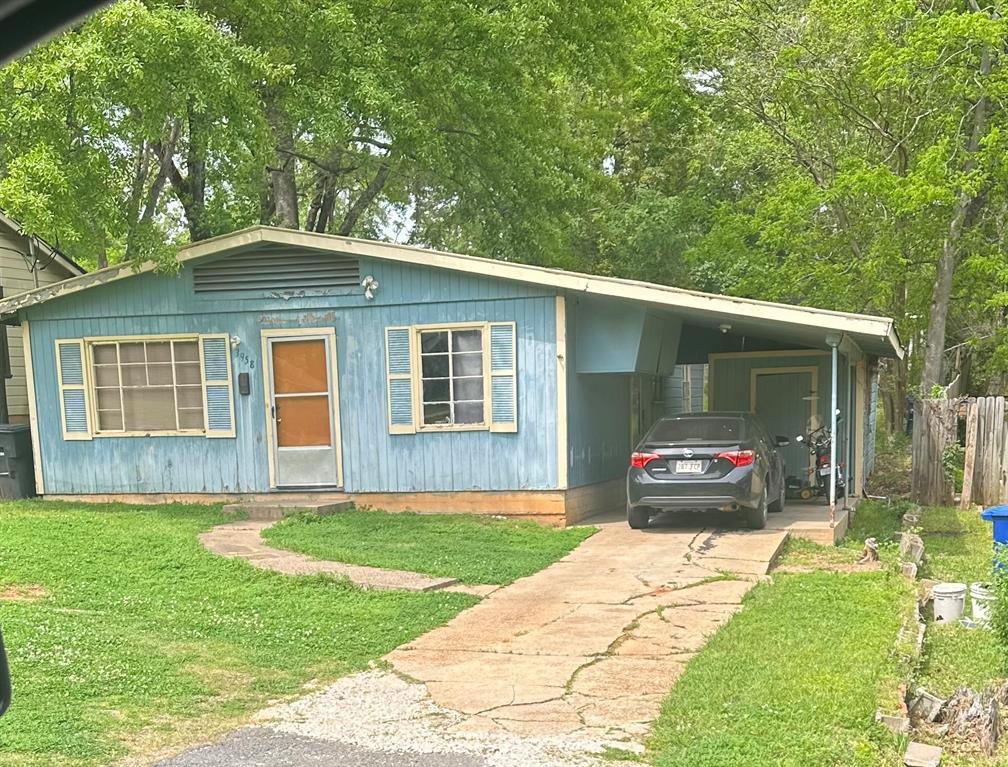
x: 243, y: 539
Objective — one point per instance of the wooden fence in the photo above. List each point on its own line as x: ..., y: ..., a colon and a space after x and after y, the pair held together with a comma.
x: 936, y: 434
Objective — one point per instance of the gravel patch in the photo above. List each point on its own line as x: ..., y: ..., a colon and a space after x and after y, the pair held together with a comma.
x: 380, y: 711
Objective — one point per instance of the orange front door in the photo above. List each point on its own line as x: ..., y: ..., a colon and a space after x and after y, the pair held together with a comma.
x: 301, y: 391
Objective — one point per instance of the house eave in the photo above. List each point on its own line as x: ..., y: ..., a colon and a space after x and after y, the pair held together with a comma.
x: 875, y: 334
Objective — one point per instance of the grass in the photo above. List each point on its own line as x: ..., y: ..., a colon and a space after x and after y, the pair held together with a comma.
x: 474, y: 549
x: 957, y: 545
x: 125, y: 636
x: 794, y: 679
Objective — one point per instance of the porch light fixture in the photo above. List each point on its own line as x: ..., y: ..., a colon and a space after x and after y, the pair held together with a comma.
x: 235, y: 341
x: 724, y: 327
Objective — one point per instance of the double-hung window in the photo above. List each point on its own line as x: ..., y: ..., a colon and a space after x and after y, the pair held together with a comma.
x: 453, y: 384
x: 147, y: 386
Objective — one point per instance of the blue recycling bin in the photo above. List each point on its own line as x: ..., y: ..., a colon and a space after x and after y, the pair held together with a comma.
x: 999, y: 516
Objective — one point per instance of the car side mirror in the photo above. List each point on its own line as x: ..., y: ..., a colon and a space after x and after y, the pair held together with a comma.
x: 782, y: 441
x: 5, y: 680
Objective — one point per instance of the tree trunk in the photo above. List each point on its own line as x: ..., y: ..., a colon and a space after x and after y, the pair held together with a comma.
x: 934, y: 343
x: 282, y: 174
x: 965, y: 210
x: 365, y: 199
x: 191, y: 188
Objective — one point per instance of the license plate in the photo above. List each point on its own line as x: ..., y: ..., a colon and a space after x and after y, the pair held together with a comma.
x: 688, y: 467
x: 824, y: 471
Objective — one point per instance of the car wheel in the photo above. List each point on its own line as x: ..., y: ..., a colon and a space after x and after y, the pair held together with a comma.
x: 778, y: 505
x: 638, y: 517
x: 757, y: 518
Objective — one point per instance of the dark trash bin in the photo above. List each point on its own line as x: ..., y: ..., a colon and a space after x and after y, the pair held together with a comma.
x: 17, y: 471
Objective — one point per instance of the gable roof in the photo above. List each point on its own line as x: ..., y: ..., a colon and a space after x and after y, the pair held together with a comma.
x: 42, y: 246
x: 875, y: 335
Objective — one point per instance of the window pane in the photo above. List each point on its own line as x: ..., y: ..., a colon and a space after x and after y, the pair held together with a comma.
x: 299, y: 367
x: 109, y: 420
x: 134, y: 375
x: 435, y: 341
x: 187, y: 372
x: 468, y: 388
x: 190, y: 396
x: 468, y: 412
x: 108, y: 399
x: 467, y: 364
x: 159, y: 373
x: 303, y: 421
x: 106, y: 375
x: 434, y: 366
x: 149, y: 409
x: 186, y: 350
x: 436, y: 390
x: 437, y: 413
x: 132, y: 352
x: 159, y: 351
x: 467, y: 341
x: 105, y: 354
x: 190, y: 419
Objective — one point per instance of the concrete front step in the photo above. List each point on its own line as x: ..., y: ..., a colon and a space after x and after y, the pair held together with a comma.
x: 271, y: 512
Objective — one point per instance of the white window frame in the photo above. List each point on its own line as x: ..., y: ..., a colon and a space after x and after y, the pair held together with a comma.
x: 92, y: 394
x: 417, y: 375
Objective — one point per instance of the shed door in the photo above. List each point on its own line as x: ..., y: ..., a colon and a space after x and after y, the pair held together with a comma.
x: 301, y: 390
x: 782, y: 406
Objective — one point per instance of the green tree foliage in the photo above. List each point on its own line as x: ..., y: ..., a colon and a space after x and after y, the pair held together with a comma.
x: 846, y: 154
x: 471, y: 125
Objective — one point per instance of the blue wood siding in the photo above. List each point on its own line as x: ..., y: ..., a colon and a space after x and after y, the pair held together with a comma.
x: 598, y: 415
x: 673, y: 389
x: 373, y: 460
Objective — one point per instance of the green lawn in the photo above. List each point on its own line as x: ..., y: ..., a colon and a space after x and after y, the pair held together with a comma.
x: 125, y: 635
x: 474, y: 549
x: 957, y: 546
x: 793, y: 680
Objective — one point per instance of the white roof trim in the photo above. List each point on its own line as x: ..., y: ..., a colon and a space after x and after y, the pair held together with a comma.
x: 67, y: 263
x: 880, y: 328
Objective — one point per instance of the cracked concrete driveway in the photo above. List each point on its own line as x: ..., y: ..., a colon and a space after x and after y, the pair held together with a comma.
x: 546, y: 671
x: 589, y: 646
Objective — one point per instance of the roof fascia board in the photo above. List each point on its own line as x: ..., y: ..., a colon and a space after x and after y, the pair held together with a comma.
x: 582, y: 283
x: 876, y: 327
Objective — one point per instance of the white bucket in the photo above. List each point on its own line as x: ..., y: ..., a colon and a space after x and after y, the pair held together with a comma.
x: 983, y: 602
x: 949, y: 601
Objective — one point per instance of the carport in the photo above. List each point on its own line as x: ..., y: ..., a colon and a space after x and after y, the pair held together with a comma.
x: 796, y: 367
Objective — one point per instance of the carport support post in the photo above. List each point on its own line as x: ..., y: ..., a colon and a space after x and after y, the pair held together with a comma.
x: 834, y: 342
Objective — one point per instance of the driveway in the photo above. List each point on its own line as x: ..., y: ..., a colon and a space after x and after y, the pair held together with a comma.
x: 589, y: 646
x: 546, y: 671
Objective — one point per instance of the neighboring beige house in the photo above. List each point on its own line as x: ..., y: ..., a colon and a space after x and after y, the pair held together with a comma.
x: 26, y: 263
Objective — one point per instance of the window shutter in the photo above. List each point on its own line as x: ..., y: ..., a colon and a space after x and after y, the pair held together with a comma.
x: 503, y: 380
x: 218, y: 394
x: 71, y: 376
x: 398, y: 362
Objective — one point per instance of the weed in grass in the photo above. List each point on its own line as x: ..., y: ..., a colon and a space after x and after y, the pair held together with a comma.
x: 474, y: 549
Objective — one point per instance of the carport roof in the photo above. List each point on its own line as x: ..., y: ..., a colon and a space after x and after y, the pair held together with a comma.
x: 796, y: 324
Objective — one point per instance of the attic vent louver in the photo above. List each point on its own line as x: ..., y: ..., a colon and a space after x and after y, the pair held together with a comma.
x: 277, y: 271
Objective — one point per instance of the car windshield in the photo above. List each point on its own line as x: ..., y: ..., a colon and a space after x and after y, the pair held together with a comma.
x: 697, y: 430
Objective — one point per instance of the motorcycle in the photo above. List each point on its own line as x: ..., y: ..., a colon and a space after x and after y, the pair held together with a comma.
x: 819, y: 442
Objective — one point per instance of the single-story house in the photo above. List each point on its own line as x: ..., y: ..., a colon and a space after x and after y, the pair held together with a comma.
x: 26, y: 262
x: 277, y: 363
